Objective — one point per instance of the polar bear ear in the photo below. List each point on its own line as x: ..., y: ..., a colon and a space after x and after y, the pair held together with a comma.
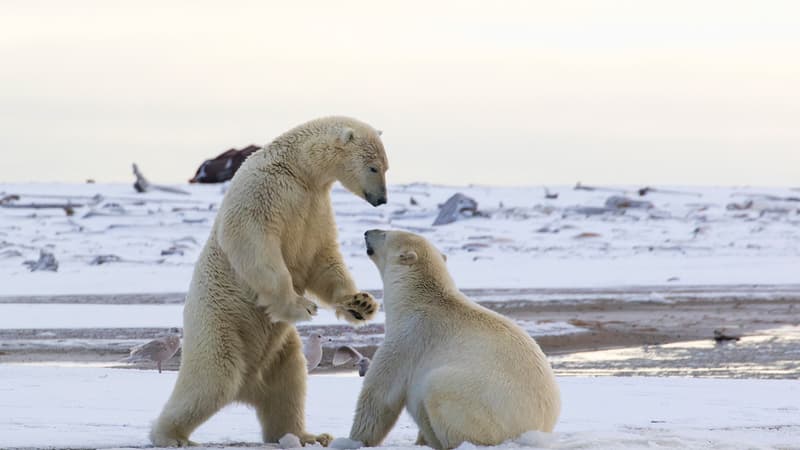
x: 380, y: 132
x: 407, y: 258
x: 345, y: 135
x: 444, y: 257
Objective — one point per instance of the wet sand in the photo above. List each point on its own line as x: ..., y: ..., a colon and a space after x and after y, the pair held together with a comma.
x: 632, y: 331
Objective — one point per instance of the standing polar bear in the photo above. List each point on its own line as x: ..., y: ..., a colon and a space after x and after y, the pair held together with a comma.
x: 274, y: 238
x: 464, y: 373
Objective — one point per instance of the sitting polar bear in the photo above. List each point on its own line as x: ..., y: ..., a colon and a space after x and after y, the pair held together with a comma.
x: 273, y: 240
x: 463, y: 372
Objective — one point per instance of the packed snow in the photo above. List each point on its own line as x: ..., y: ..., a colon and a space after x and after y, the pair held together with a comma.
x: 86, y: 407
x: 113, y: 240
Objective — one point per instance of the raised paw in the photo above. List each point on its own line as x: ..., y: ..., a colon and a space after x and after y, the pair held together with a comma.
x: 299, y: 310
x: 358, y: 308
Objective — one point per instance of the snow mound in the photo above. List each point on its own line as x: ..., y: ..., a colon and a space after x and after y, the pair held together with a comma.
x: 289, y: 441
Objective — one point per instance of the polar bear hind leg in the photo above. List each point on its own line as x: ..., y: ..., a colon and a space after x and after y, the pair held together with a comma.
x: 198, y: 394
x: 279, y: 398
x: 457, y: 414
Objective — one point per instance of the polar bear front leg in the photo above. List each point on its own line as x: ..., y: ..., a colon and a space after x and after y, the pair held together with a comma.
x: 258, y: 260
x: 379, y: 404
x: 332, y: 284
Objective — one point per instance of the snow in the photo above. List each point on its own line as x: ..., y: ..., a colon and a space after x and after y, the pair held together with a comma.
x: 88, y: 407
x: 696, y: 243
x: 289, y: 440
x: 693, y: 237
x: 346, y: 443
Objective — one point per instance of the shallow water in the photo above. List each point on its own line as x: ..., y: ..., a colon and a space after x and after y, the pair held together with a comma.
x: 773, y: 353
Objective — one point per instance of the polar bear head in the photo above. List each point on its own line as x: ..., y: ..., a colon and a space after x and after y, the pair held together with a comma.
x: 362, y: 162
x: 402, y: 256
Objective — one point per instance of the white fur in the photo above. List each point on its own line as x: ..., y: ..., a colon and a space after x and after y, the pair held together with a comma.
x: 464, y: 373
x: 273, y: 240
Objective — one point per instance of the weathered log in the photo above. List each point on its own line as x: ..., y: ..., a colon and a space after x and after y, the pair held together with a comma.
x: 142, y: 184
x: 46, y: 262
x: 620, y: 202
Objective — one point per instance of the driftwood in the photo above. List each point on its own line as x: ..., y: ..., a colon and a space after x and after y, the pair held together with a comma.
x: 143, y: 185
x: 455, y: 208
x: 64, y: 206
x: 647, y: 189
x: 620, y: 202
x: 9, y: 198
x: 104, y: 259
x: 581, y: 187
x: 46, y: 262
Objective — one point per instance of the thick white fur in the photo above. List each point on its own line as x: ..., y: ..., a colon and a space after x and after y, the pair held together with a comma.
x: 465, y: 373
x: 274, y: 238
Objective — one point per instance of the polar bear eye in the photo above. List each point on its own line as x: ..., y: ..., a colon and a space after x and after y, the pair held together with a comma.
x: 373, y: 169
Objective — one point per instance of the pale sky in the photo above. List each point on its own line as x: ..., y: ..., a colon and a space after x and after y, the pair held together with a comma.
x: 491, y: 92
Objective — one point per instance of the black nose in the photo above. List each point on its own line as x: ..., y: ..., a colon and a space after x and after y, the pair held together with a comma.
x: 375, y: 200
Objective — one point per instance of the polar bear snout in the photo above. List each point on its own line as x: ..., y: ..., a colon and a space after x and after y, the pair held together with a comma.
x: 375, y: 199
x: 373, y: 239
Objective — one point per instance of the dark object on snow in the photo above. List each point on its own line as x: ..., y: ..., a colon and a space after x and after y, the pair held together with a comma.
x: 223, y: 166
x: 455, y: 207
x: 647, y: 189
x: 722, y: 335
x: 8, y: 199
x: 46, y: 261
x: 172, y: 251
x: 550, y: 195
x: 739, y: 206
x: 412, y: 201
x: 104, y: 259
x: 143, y: 185
x: 620, y: 202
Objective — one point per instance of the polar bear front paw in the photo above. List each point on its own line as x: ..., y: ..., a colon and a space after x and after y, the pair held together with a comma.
x: 300, y: 309
x: 358, y: 308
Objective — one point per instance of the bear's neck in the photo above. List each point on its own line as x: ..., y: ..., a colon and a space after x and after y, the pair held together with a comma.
x: 310, y: 159
x: 404, y: 296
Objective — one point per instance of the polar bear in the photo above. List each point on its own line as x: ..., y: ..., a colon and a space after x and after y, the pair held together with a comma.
x: 463, y: 372
x: 273, y: 240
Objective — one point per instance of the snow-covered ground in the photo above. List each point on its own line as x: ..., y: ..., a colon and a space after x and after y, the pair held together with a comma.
x: 690, y: 236
x: 87, y: 407
x: 546, y: 249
